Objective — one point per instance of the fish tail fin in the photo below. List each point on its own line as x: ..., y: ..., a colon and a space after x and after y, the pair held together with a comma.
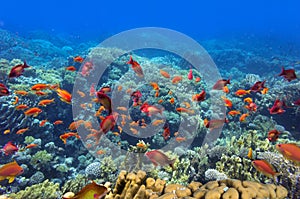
x: 172, y: 164
x: 282, y: 71
x: 130, y: 60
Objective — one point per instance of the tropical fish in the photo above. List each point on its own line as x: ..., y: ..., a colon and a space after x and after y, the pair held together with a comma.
x: 176, y: 79
x: 164, y: 73
x: 7, y: 131
x: 199, y: 97
x: 157, y: 157
x: 21, y: 107
x: 277, y: 107
x: 3, y: 90
x: 21, y: 131
x: 105, y: 101
x: 290, y: 151
x: 33, y: 112
x: 273, y: 135
x: 18, y: 70
x: 227, y: 102
x: 154, y: 86
x: 92, y: 90
x: 71, y: 68
x: 250, y: 154
x: 166, y: 133
x: 45, y: 102
x: 157, y: 122
x: 251, y: 107
x: 10, y: 171
x: 74, y: 125
x: 185, y: 110
x: 288, y: 74
x: 65, y: 136
x: 30, y: 146
x: 64, y: 95
x: 225, y: 89
x: 21, y: 92
x: 136, y: 67
x: 80, y: 93
x: 234, y: 112
x: 243, y: 117
x: 78, y: 59
x: 242, y: 92
x: 180, y: 139
x: 57, y: 122
x: 150, y: 109
x: 198, y: 79
x: 86, y: 69
x: 172, y: 100
x: 16, y: 100
x: 136, y: 97
x: 41, y: 93
x: 10, y: 148
x: 190, y: 74
x: 248, y: 100
x: 214, y: 124
x: 38, y: 87
x: 297, y: 102
x: 219, y: 85
x: 258, y: 86
x: 43, y: 122
x: 91, y: 191
x: 265, y: 168
x: 264, y: 90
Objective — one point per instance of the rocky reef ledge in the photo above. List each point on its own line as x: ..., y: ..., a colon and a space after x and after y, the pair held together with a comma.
x: 138, y: 186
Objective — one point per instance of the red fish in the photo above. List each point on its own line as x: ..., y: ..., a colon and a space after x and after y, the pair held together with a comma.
x: 105, y: 101
x: 86, y: 69
x: 136, y: 67
x: 290, y: 151
x: 71, y: 68
x: 18, y: 70
x: 213, y: 124
x: 227, y: 102
x: 3, y: 90
x: 10, y: 148
x: 136, y: 97
x: 164, y: 73
x: 159, y: 158
x: 166, y: 134
x: 200, y: 97
x: 150, y: 109
x: 10, y: 171
x: 297, y: 102
x: 33, y: 112
x: 277, y: 107
x: 265, y: 168
x: 258, y: 86
x: 65, y: 95
x: 92, y: 90
x: 92, y: 191
x: 219, y: 85
x: 38, y: 87
x: 251, y: 106
x: 288, y: 74
x: 78, y: 59
x: 273, y: 135
x: 190, y: 75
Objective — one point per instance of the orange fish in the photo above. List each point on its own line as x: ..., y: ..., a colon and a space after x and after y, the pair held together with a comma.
x: 38, y: 87
x: 45, y: 102
x: 166, y: 133
x: 71, y: 68
x: 150, y: 110
x: 10, y: 171
x: 154, y: 85
x: 180, y: 139
x: 100, y: 152
x: 105, y: 101
x: 265, y: 168
x: 243, y: 117
x: 29, y: 146
x: 92, y: 190
x: 7, y: 131
x: 120, y: 88
x: 53, y: 86
x: 273, y: 135
x: 176, y: 79
x: 65, y: 95
x: 21, y: 92
x: 74, y: 125
x: 170, y: 92
x: 225, y: 89
x: 78, y: 59
x: 65, y: 136
x: 159, y: 158
x: 16, y: 100
x: 57, y: 122
x: 41, y: 93
x: 198, y: 79
x: 234, y: 112
x: 227, y: 102
x: 136, y: 67
x: 248, y: 100
x: 10, y: 148
x: 156, y: 94
x: 121, y: 108
x: 290, y: 151
x: 80, y: 93
x: 264, y: 91
x: 241, y: 92
x: 21, y: 107
x: 160, y: 101
x: 200, y: 97
x: 21, y: 131
x: 33, y: 112
x: 251, y: 106
x: 157, y: 122
x: 172, y: 100
x: 214, y: 124
x: 185, y: 110
x: 164, y: 73
x: 220, y: 84
x: 250, y: 154
x: 186, y: 104
x: 43, y: 122
x: 134, y: 131
x: 88, y: 124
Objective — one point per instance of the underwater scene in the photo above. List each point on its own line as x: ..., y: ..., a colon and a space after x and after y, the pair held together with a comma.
x: 152, y: 108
